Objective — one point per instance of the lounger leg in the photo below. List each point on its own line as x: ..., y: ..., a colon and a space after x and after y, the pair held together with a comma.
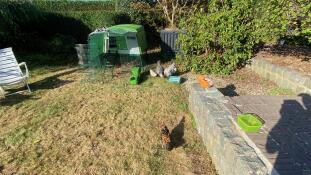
x: 2, y: 93
x: 28, y: 88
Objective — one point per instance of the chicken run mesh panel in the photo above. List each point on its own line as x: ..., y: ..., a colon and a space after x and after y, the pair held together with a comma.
x: 104, y: 66
x: 115, y: 50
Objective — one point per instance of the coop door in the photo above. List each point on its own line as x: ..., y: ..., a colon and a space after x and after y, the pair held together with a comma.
x: 113, y: 44
x: 106, y: 44
x: 132, y: 45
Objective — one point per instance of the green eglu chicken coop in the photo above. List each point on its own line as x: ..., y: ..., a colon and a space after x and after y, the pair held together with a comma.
x: 117, y: 45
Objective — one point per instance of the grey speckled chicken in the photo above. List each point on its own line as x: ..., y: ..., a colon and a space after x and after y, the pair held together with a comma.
x: 159, y: 70
x: 170, y: 70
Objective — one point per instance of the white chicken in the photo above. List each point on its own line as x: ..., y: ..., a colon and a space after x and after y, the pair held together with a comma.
x: 159, y: 70
x: 170, y: 70
x: 152, y: 73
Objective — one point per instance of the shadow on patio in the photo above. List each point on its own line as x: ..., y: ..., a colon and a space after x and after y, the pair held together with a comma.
x: 290, y: 138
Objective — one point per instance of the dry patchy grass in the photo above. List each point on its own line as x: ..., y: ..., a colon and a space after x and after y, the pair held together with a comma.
x: 72, y: 126
x: 246, y: 82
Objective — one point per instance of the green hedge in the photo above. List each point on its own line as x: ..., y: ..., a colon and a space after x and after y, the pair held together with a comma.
x: 63, y: 5
x: 96, y: 19
x: 93, y: 14
x: 51, y: 27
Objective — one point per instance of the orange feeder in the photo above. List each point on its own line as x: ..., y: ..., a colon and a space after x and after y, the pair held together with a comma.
x: 203, y: 83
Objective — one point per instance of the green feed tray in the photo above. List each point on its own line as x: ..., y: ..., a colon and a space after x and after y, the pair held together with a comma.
x: 136, y: 71
x: 133, y: 80
x: 249, y: 122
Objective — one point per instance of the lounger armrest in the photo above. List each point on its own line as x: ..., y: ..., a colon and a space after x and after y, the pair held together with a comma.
x: 24, y: 64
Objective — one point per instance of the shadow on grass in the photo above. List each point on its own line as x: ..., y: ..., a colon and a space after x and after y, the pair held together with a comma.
x: 144, y: 76
x: 178, y: 134
x: 52, y: 82
x: 47, y: 83
x: 15, y: 99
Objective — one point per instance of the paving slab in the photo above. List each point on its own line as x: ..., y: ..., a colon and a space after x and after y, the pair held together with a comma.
x: 285, y: 138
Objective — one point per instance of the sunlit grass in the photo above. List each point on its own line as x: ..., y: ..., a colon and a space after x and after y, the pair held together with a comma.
x: 72, y: 126
x: 280, y: 91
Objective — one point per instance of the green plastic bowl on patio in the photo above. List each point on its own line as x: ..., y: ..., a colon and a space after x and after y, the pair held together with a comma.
x: 249, y: 122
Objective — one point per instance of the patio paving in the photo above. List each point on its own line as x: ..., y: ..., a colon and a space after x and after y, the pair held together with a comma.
x: 285, y: 139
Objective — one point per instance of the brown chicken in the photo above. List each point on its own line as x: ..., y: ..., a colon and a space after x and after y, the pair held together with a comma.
x: 165, y: 137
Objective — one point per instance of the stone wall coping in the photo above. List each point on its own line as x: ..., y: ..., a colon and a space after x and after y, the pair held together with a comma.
x: 282, y: 76
x: 222, y: 135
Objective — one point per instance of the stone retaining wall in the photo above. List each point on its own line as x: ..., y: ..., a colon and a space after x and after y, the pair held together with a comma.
x: 282, y: 76
x: 231, y: 151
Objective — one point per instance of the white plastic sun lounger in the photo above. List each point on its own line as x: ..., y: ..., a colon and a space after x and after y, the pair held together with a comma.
x: 11, y: 75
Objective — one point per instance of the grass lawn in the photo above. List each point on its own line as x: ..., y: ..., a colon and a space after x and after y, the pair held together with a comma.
x: 72, y: 126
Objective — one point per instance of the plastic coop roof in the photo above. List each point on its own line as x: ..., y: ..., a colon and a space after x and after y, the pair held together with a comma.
x: 125, y: 28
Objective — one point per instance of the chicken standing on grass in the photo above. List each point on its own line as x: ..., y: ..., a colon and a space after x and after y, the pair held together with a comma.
x: 170, y: 70
x: 165, y: 137
x: 152, y: 73
x: 159, y: 70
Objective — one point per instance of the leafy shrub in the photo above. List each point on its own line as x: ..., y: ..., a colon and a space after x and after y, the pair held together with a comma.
x: 223, y: 38
x: 174, y: 10
x: 285, y: 19
x: 220, y: 41
x: 306, y: 21
x: 144, y: 12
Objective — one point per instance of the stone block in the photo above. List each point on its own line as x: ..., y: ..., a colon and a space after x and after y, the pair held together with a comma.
x: 196, y: 88
x: 273, y: 77
x: 208, y: 100
x: 259, y: 63
x: 229, y: 151
x: 299, y: 89
x: 213, y: 92
x: 286, y: 73
x: 248, y: 66
x: 279, y: 80
x: 254, y: 61
x: 295, y: 76
x: 268, y: 76
x: 308, y: 91
x: 273, y: 68
x: 279, y: 71
x: 223, y: 123
x: 307, y: 83
x: 292, y: 86
x: 285, y: 84
x: 269, y: 67
x: 263, y: 64
x: 259, y: 69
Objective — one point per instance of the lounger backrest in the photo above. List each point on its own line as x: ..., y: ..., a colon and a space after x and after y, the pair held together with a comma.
x: 9, y: 68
